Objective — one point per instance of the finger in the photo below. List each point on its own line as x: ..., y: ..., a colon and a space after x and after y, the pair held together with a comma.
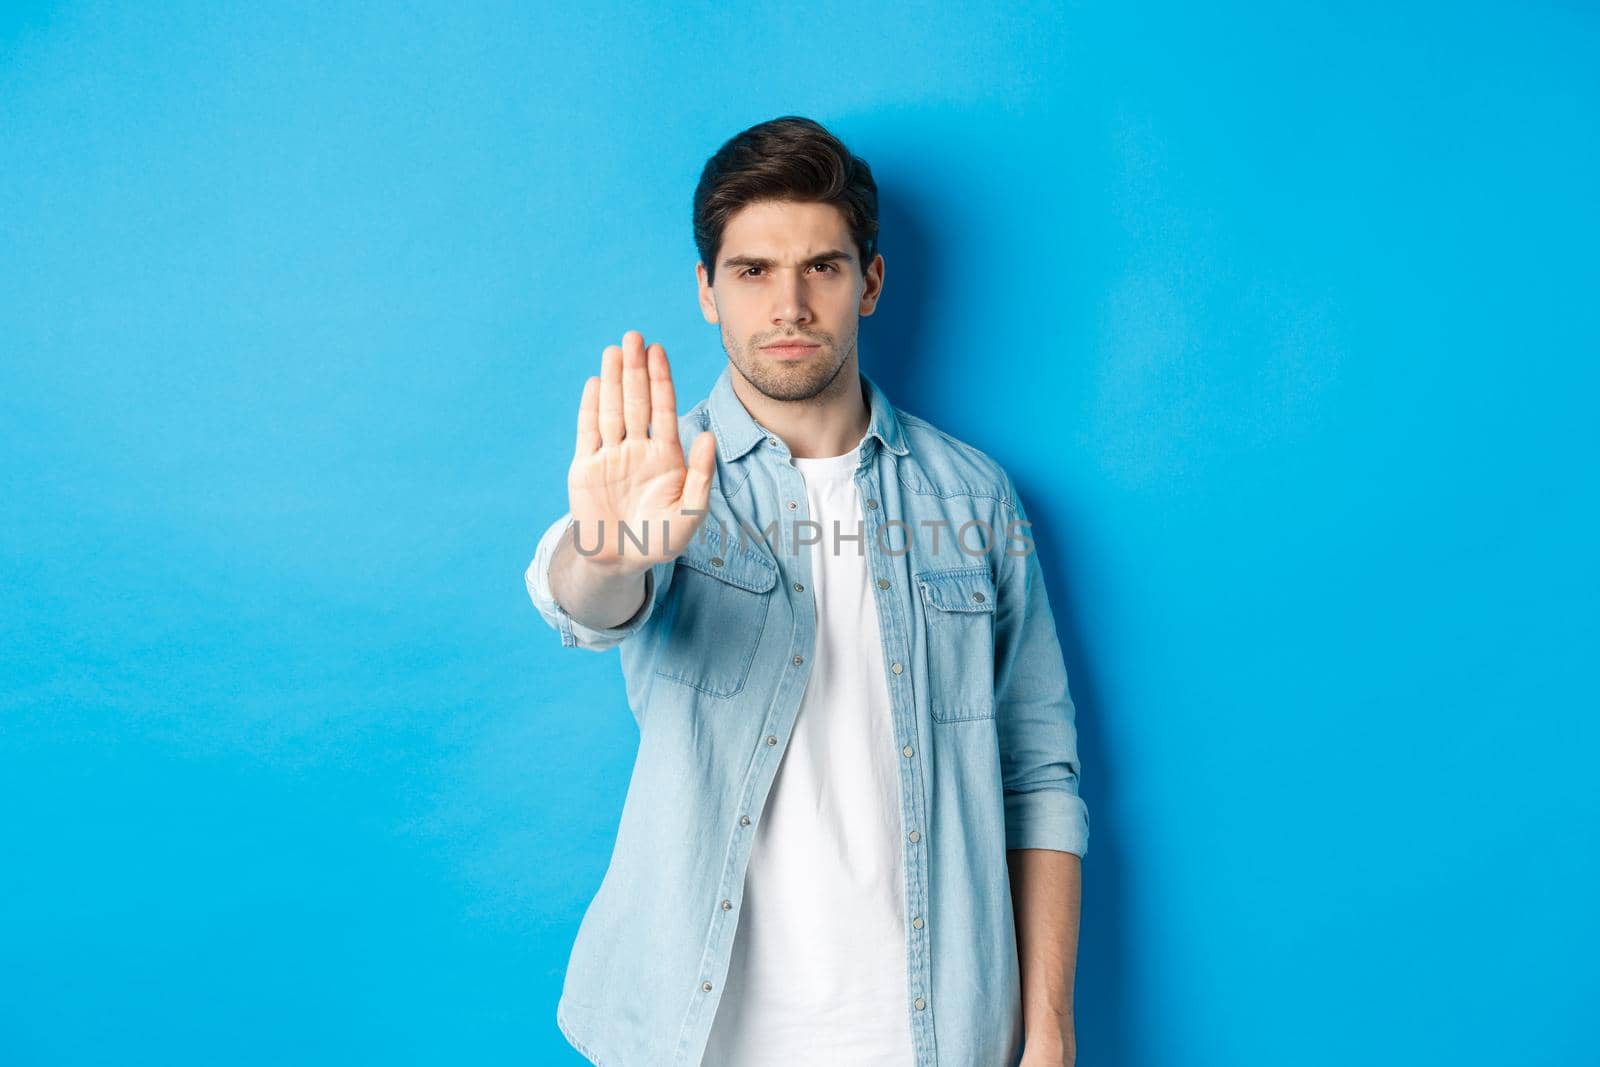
x: 702, y: 464
x: 635, y: 386
x: 663, y: 399
x: 611, y: 395
x: 589, y: 417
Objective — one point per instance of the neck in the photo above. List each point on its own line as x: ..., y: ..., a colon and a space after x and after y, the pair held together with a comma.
x: 828, y: 424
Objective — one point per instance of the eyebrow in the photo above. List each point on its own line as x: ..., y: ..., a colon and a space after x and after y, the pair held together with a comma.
x: 757, y: 261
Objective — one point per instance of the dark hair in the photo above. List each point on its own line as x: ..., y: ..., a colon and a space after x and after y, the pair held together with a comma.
x: 788, y: 158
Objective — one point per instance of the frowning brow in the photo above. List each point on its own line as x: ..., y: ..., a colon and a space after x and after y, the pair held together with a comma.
x: 757, y: 261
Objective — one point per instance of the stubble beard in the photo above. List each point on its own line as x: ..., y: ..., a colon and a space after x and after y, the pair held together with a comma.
x: 800, y: 379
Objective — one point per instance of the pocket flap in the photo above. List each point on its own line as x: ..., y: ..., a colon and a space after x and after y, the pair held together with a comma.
x: 747, y: 570
x: 969, y: 589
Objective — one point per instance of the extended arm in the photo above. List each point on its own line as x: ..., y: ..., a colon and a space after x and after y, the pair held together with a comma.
x: 598, y: 598
x: 628, y: 473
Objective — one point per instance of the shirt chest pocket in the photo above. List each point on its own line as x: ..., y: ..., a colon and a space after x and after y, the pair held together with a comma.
x: 958, y: 613
x: 715, y: 613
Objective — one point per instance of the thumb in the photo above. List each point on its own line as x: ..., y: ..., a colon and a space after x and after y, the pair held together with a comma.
x: 702, y: 464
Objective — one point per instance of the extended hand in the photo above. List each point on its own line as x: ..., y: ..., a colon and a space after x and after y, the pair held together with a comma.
x: 628, y: 467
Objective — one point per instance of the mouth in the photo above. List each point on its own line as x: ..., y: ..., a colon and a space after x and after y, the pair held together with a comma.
x: 790, y: 349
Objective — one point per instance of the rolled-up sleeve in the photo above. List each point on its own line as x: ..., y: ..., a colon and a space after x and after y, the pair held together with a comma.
x: 575, y: 634
x: 1034, y: 714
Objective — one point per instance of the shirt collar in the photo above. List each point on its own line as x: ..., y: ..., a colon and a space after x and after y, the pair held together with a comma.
x: 737, y: 432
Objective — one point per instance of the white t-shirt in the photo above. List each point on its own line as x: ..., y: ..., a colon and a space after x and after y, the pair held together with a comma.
x: 817, y: 976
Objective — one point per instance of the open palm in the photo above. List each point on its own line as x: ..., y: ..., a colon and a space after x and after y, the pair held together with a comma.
x: 628, y: 468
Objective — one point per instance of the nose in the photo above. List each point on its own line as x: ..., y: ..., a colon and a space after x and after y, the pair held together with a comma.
x: 790, y: 303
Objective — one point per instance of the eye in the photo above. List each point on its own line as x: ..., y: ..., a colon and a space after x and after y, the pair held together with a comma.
x: 825, y: 266
x: 747, y: 271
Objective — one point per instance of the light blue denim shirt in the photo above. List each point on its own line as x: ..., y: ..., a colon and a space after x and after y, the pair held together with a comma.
x: 715, y: 662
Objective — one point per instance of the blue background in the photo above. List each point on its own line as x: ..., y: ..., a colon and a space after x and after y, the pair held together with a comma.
x: 1282, y: 319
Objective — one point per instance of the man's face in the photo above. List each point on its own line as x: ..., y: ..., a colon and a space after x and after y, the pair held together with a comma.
x: 789, y: 272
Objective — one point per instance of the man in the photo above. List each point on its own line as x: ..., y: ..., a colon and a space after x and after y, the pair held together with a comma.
x: 853, y: 832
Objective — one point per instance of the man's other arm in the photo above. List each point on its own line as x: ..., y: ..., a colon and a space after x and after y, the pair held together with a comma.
x: 1047, y: 822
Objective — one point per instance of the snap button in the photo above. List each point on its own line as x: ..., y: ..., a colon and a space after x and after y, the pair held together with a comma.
x: 872, y: 504
x: 915, y: 837
x: 727, y: 905
x: 895, y: 667
x: 799, y: 660
x: 716, y: 561
x: 798, y: 588
x: 883, y: 583
x: 917, y: 922
x: 707, y: 987
x: 906, y: 752
x: 978, y: 597
x: 744, y: 820
x: 771, y: 740
x: 792, y: 505
x: 920, y: 1003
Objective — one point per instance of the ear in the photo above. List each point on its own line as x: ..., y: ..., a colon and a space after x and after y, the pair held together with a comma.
x: 708, y: 299
x: 872, y: 286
